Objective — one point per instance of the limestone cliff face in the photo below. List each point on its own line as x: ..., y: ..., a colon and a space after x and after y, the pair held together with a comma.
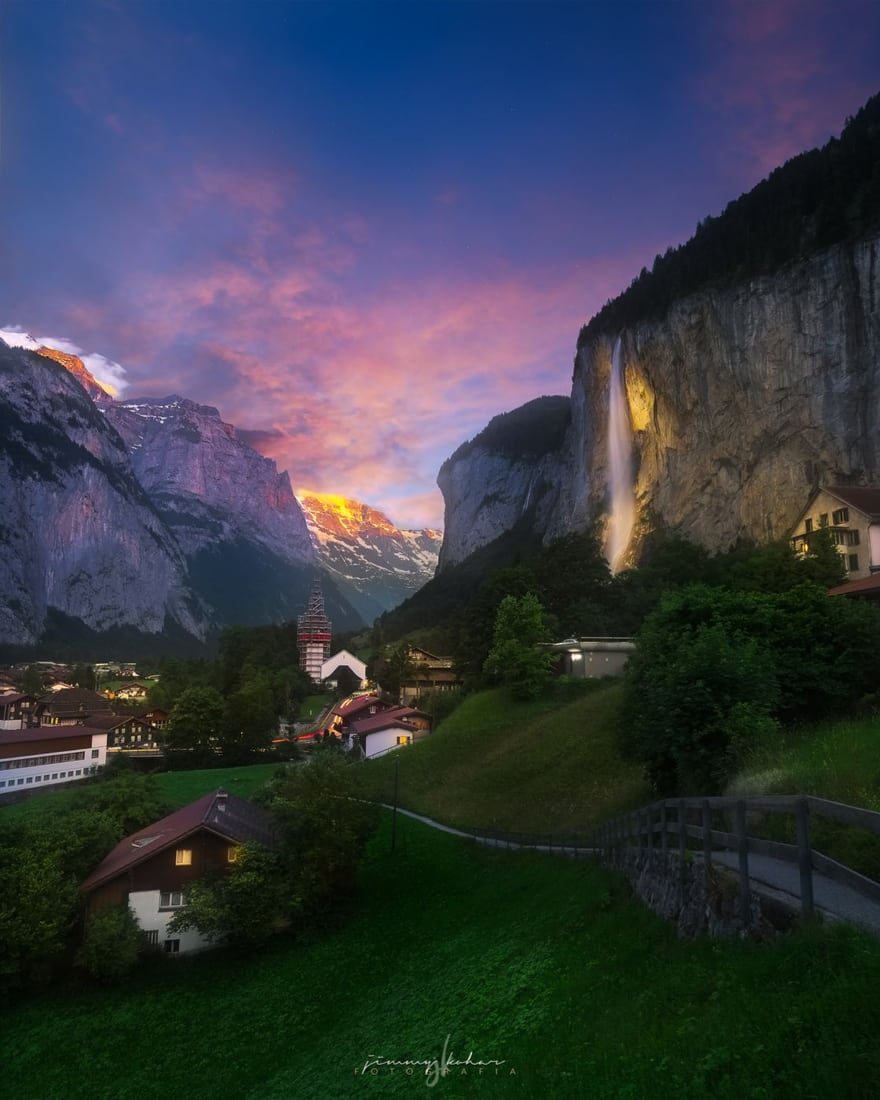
x: 742, y: 401
x: 78, y: 533
x: 515, y: 471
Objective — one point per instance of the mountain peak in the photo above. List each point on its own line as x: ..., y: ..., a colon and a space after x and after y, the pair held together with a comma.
x: 75, y: 366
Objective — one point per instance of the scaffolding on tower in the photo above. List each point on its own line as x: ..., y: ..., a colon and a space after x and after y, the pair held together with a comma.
x: 313, y: 634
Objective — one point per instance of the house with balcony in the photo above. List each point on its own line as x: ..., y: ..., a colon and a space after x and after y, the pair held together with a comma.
x: 851, y: 513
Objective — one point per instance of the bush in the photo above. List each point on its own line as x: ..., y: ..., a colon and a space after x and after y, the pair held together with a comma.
x: 111, y: 944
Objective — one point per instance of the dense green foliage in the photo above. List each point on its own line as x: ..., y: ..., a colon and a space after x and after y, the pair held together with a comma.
x: 715, y: 668
x: 43, y: 859
x: 515, y: 658
x: 543, y: 962
x: 532, y: 430
x: 111, y: 944
x: 815, y: 200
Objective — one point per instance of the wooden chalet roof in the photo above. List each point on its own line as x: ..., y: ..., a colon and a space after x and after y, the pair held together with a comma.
x: 225, y: 814
x: 862, y: 497
x: 349, y: 708
x: 111, y: 721
x: 73, y: 703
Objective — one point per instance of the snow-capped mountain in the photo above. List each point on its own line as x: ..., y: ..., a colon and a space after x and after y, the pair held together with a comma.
x: 374, y: 563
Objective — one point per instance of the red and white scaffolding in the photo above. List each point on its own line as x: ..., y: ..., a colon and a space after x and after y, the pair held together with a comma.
x: 313, y: 634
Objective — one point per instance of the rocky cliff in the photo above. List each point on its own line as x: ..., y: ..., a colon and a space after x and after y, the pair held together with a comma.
x: 375, y: 564
x: 516, y: 470
x: 742, y: 401
x: 79, y: 534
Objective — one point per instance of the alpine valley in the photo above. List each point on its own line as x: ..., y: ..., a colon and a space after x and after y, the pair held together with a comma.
x: 130, y: 520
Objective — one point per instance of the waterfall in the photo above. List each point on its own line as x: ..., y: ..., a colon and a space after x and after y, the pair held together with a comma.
x: 622, y: 503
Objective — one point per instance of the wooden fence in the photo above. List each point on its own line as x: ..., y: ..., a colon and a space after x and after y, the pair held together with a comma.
x: 689, y: 824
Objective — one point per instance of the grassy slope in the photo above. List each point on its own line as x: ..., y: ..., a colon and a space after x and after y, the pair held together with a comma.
x: 536, y: 960
x: 548, y: 766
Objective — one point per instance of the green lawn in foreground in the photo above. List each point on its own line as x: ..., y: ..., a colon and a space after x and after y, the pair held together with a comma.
x: 547, y: 766
x: 535, y: 960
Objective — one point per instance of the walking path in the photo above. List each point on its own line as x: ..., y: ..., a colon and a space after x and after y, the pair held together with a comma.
x: 772, y: 878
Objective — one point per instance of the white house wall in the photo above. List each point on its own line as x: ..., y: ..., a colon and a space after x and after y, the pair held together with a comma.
x: 145, y: 906
x: 382, y: 740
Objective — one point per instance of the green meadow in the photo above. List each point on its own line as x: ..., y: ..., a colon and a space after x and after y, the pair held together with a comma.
x: 539, y: 965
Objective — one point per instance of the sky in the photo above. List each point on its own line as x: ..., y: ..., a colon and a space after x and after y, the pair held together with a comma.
x: 361, y: 230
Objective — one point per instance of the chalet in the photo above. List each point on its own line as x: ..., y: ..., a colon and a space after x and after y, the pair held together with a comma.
x: 355, y: 707
x: 128, y: 733
x: 390, y: 729
x: 44, y: 756
x: 428, y: 673
x: 157, y: 718
x: 152, y: 869
x: 852, y: 515
x: 16, y: 709
x: 70, y: 707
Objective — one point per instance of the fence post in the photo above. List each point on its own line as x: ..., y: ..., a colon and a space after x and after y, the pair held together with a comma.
x: 707, y: 838
x: 805, y: 858
x: 664, y: 839
x: 745, y: 900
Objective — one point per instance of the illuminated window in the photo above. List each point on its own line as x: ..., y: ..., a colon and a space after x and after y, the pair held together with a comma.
x: 232, y: 855
x: 183, y: 857
x: 403, y: 739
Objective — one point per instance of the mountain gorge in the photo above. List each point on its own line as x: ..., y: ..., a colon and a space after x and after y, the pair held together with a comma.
x: 751, y: 364
x: 154, y: 517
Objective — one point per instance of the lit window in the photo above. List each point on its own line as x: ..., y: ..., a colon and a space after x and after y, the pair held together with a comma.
x: 232, y: 855
x: 183, y: 857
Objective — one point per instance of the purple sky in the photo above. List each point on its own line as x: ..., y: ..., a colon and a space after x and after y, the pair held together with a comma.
x: 363, y: 229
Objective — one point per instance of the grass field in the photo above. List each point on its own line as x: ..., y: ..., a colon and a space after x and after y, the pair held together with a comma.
x: 177, y: 788
x: 536, y: 962
x: 547, y: 766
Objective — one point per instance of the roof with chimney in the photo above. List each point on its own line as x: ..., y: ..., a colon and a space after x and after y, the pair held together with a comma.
x: 398, y: 717
x: 219, y: 812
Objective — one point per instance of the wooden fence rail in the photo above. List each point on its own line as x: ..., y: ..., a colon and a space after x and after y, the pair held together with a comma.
x: 690, y: 824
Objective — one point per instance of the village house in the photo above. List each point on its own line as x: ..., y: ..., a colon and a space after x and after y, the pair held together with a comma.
x: 852, y: 516
x: 128, y: 733
x: 591, y: 658
x: 428, y: 673
x: 355, y: 707
x: 44, y: 756
x: 390, y: 729
x: 151, y: 870
x: 16, y: 709
x: 70, y: 707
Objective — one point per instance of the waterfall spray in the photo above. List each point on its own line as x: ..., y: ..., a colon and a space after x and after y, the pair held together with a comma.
x: 622, y: 503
